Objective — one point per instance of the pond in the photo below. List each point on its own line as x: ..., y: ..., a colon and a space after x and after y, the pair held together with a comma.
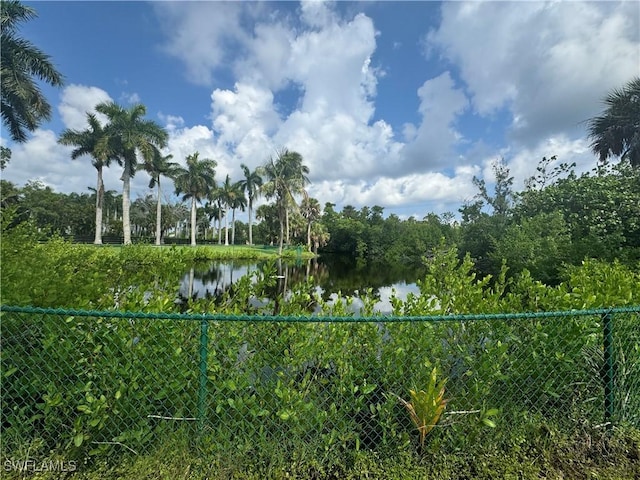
x: 332, y: 275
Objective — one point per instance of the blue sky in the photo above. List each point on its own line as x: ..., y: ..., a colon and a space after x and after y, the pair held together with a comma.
x: 397, y: 104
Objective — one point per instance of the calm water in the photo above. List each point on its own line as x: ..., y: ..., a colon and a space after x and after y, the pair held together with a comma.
x: 331, y: 274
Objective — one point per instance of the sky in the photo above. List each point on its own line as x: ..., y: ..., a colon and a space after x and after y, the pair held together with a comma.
x: 396, y: 104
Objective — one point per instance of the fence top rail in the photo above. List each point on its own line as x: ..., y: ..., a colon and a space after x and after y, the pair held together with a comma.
x: 316, y: 318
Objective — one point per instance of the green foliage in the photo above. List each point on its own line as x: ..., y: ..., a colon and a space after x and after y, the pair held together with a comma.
x: 305, y: 399
x: 539, y: 244
x: 365, y: 234
x: 601, y: 211
x: 426, y: 406
x: 560, y: 219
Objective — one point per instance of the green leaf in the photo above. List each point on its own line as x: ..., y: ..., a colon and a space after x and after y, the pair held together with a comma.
x: 489, y: 423
x: 78, y: 439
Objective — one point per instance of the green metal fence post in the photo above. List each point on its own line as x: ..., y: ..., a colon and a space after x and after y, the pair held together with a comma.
x: 609, y: 368
x: 202, y: 391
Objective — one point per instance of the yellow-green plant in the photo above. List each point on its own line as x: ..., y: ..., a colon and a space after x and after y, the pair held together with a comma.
x: 426, y: 406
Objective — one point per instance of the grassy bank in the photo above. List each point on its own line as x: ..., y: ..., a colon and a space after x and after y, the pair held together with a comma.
x: 603, y: 458
x: 217, y: 252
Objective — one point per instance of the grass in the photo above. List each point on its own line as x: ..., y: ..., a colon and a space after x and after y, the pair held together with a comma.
x: 180, y: 461
x: 219, y: 252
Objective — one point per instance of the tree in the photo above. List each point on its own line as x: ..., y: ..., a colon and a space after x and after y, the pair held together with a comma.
x: 237, y: 200
x: 311, y: 211
x: 213, y: 212
x: 480, y: 231
x: 196, y: 181
x: 616, y: 132
x: 217, y: 197
x: 226, y: 194
x: 159, y: 166
x: 5, y: 157
x: 251, y: 185
x: 319, y: 235
x: 503, y: 196
x: 23, y: 106
x: 126, y: 135
x: 285, y: 177
x: 86, y: 143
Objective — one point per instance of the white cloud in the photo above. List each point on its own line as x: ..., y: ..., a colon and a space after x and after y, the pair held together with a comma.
x: 317, y: 14
x: 549, y: 63
x: 76, y: 101
x: 199, y: 34
x: 430, y: 144
x: 415, y: 189
x: 42, y: 159
x: 248, y: 111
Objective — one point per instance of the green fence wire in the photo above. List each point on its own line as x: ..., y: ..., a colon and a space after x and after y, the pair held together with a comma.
x: 104, y: 383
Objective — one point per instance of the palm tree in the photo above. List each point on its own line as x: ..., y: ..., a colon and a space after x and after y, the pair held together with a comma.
x: 320, y: 236
x: 86, y: 143
x: 226, y: 196
x: 285, y: 177
x: 159, y: 166
x: 217, y: 198
x: 128, y: 134
x: 213, y: 211
x: 23, y: 106
x: 311, y: 211
x: 195, y: 182
x: 616, y: 132
x: 251, y: 185
x: 237, y: 200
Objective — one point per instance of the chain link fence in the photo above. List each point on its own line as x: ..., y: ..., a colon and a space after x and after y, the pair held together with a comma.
x: 105, y: 383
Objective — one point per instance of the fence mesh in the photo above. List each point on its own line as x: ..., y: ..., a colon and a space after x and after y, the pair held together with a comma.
x: 110, y: 383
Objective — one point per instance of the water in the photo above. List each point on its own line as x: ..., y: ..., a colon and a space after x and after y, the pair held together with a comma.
x: 332, y: 276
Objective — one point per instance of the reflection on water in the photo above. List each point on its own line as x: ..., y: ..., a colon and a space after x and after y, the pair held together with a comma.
x: 332, y: 276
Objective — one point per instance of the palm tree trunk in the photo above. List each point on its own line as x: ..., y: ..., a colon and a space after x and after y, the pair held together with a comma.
x: 233, y: 227
x: 250, y: 233
x: 286, y: 213
x: 281, y: 236
x: 226, y: 228
x: 158, y: 216
x: 126, y: 203
x: 219, y: 225
x: 193, y: 221
x: 309, y: 236
x: 99, y: 201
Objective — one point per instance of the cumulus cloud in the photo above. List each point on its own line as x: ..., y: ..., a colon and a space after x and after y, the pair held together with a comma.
x: 430, y: 144
x: 42, y: 159
x: 547, y: 62
x: 76, y: 101
x: 331, y: 125
x: 200, y: 34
